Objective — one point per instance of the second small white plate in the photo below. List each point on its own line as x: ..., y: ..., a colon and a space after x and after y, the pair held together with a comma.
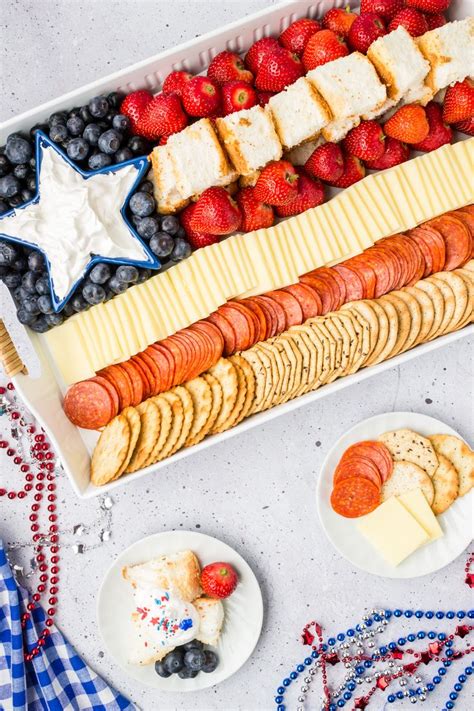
x: 243, y: 609
x: 456, y: 522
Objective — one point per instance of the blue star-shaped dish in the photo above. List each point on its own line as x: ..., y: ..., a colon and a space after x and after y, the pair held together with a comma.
x: 84, y: 237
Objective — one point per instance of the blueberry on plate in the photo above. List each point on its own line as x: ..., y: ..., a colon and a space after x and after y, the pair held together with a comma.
x: 147, y: 187
x: 174, y: 661
x: 93, y: 293
x: 20, y: 264
x: 141, y: 204
x: 30, y: 304
x: 127, y: 274
x: 85, y: 114
x: 193, y: 644
x: 149, y: 226
x: 45, y: 304
x: 8, y: 253
x: 97, y: 161
x: 100, y: 273
x: 161, y: 671
x: 40, y: 325
x: 194, y: 659
x: 18, y: 149
x: 161, y: 244
x: 31, y: 182
x: 211, y: 662
x: 26, y: 195
x: 75, y: 125
x: 182, y: 250
x: 5, y: 165
x: 143, y: 276
x: 25, y: 317
x: 115, y: 98
x: 138, y: 145
x: 117, y: 286
x: 21, y: 170
x: 36, y: 262
x: 78, y: 303
x: 9, y: 186
x: 98, y: 106
x: 58, y: 133
x: 187, y: 673
x: 92, y: 133
x: 123, y: 154
x: 28, y: 282
x: 42, y: 286
x: 109, y: 141
x: 12, y: 280
x: 77, y: 149
x: 121, y: 123
x: 54, y: 319
x: 170, y: 224
x: 58, y: 117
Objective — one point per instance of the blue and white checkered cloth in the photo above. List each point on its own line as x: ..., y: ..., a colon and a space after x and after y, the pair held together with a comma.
x: 55, y: 680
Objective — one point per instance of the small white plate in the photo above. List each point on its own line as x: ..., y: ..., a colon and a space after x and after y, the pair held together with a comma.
x: 456, y: 522
x: 243, y: 609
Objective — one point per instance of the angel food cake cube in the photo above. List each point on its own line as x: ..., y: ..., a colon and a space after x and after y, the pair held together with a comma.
x: 299, y: 113
x: 250, y: 139
x: 449, y: 50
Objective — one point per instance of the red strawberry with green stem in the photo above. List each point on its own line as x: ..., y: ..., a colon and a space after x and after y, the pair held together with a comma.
x: 201, y: 97
x: 385, y: 8
x: 196, y: 239
x: 408, y: 124
x: 163, y: 116
x: 259, y: 51
x: 365, y: 30
x: 296, y: 36
x: 395, y: 152
x: 412, y: 20
x: 353, y: 171
x: 174, y: 83
x: 277, y: 184
x: 279, y: 69
x: 255, y: 214
x: 339, y: 20
x: 215, y: 212
x: 365, y: 141
x: 439, y: 132
x: 134, y: 105
x: 228, y: 66
x: 310, y: 193
x: 219, y: 580
x: 237, y: 95
x: 326, y: 162
x: 458, y: 102
x: 323, y: 47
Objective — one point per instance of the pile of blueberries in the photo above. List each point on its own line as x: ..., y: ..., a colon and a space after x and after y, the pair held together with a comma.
x: 187, y: 661
x: 94, y: 136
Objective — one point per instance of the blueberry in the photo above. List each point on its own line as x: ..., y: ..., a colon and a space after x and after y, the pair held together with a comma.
x: 143, y: 276
x: 149, y: 226
x: 8, y: 253
x: 77, y: 149
x: 38, y: 127
x: 45, y: 304
x: 25, y: 317
x: 20, y: 264
x: 182, y: 250
x: 68, y: 309
x: 15, y: 201
x: 138, y: 145
x: 121, y: 123
x: 100, y: 273
x: 21, y: 294
x: 31, y: 182
x: 193, y: 644
x: 54, y: 319
x: 97, y: 161
x: 173, y: 662
x: 4, y: 207
x: 9, y: 186
x: 123, y: 154
x: 26, y: 195
x: 42, y: 285
x: 91, y: 133
x: 181, y: 233
x: 187, y: 673
x: 12, y: 280
x: 136, y: 219
x: 28, y: 282
x: 21, y: 170
x: 5, y: 166
x: 127, y: 274
x: 93, y: 293
x: 161, y: 244
x: 110, y: 117
x: 117, y: 286
x: 115, y: 99
x: 36, y: 262
x: 211, y: 661
x: 194, y: 659
x: 18, y: 149
x: 30, y: 304
x: 147, y: 187
x: 78, y: 303
x: 109, y: 142
x: 98, y: 106
x: 141, y: 204
x: 170, y: 224
x: 40, y: 325
x: 58, y: 133
x: 75, y: 125
x: 58, y: 117
x: 32, y: 163
x: 85, y: 114
x: 161, y: 671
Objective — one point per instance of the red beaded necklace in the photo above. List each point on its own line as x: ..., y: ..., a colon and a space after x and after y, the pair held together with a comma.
x: 40, y: 477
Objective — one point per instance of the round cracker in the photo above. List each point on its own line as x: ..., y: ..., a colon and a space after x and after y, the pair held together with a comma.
x: 111, y: 450
x: 286, y: 364
x: 134, y: 421
x: 188, y: 416
x: 426, y: 305
x: 201, y: 395
x: 166, y: 419
x: 436, y: 296
x: 404, y: 322
x: 365, y: 309
x: 383, y: 330
x: 264, y: 351
x: 461, y: 457
x: 239, y: 402
x: 250, y: 385
x: 226, y: 374
x: 260, y: 376
x: 150, y: 418
x: 175, y: 402
x: 216, y: 393
x: 407, y: 445
x: 295, y: 370
x: 415, y: 314
x: 460, y: 292
x: 405, y: 477
x: 449, y: 305
x: 392, y: 321
x: 446, y: 485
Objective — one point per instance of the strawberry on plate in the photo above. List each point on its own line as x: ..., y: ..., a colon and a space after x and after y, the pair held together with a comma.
x: 466, y: 126
x: 365, y: 141
x: 429, y: 5
x: 437, y: 19
x: 412, y: 20
x: 353, y: 171
x: 439, y: 133
x: 195, y: 239
x: 218, y: 580
x: 134, y: 105
x: 216, y: 213
x: 458, y: 102
x: 366, y: 29
x: 339, y: 20
x: 237, y: 95
x: 279, y: 69
x: 228, y: 66
x: 408, y: 124
x: 277, y: 183
x: 326, y: 162
x: 163, y: 116
x: 323, y: 47
x: 310, y: 193
x: 395, y: 152
x: 296, y: 36
x: 259, y: 51
x: 174, y: 83
x: 385, y: 8
x: 201, y: 97
x: 255, y: 214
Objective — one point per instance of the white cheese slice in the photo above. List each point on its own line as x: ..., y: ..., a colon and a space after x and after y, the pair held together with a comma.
x: 415, y: 503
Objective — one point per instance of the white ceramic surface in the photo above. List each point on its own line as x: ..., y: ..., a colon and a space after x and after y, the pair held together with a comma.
x: 243, y: 609
x: 457, y: 522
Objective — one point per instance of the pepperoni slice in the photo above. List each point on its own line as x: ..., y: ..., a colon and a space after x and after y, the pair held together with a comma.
x: 226, y: 329
x: 165, y: 361
x: 308, y: 300
x: 202, y: 347
x: 290, y: 304
x: 88, y: 404
x: 457, y: 239
x: 322, y: 288
x: 377, y: 452
x: 260, y: 315
x: 146, y: 375
x: 240, y: 324
x: 252, y: 321
x: 270, y: 316
x: 353, y: 282
x: 177, y: 356
x: 355, y: 497
x: 214, y: 334
x: 135, y: 380
x: 358, y: 466
x: 278, y: 311
x: 188, y: 354
x: 365, y: 272
x: 385, y: 266
x: 119, y: 378
x: 111, y: 389
x: 425, y: 247
x: 466, y: 215
x: 337, y: 284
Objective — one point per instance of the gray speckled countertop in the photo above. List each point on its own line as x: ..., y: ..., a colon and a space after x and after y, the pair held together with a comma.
x: 255, y: 491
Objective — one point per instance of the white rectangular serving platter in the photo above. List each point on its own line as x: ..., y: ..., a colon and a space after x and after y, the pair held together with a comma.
x: 43, y: 395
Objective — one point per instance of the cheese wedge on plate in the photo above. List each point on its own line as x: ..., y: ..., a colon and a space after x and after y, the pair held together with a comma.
x: 415, y: 503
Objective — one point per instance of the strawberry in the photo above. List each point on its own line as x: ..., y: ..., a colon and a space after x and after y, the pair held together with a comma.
x: 466, y: 126
x: 439, y: 133
x: 339, y: 20
x: 255, y: 214
x: 164, y: 115
x: 323, y: 47
x: 412, y: 20
x: 395, y: 153
x: 134, y: 104
x: 296, y: 36
x: 238, y: 95
x: 408, y: 124
x: 277, y: 183
x: 258, y: 51
x: 201, y: 96
x: 310, y: 193
x: 365, y: 29
x: 437, y: 19
x: 326, y: 162
x: 278, y: 70
x: 264, y: 97
x: 196, y: 239
x: 429, y: 5
x: 459, y: 102
x: 385, y: 8
x: 353, y: 171
x: 219, y: 580
x: 228, y: 66
x: 174, y: 83
x: 365, y: 141
x: 215, y: 212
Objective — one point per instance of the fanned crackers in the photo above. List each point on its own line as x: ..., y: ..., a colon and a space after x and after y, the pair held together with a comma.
x: 460, y: 456
x: 446, y: 485
x: 409, y: 446
x: 407, y: 476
